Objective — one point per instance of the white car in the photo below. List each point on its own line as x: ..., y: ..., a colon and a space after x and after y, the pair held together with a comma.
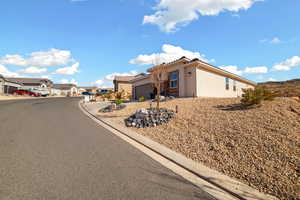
x: 43, y: 93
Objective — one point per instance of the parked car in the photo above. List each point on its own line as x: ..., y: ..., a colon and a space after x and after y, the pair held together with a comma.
x: 103, y: 92
x: 25, y: 93
x: 87, y: 93
x: 42, y: 93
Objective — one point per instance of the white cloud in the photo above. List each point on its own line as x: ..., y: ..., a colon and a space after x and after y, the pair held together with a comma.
x: 53, y: 57
x: 233, y: 69
x: 275, y: 40
x: 68, y: 70
x: 248, y: 70
x: 66, y: 81
x: 34, y: 70
x: 13, y: 60
x: 287, y: 64
x: 256, y: 70
x: 107, y: 81
x: 171, y: 14
x: 169, y: 53
x: 6, y: 73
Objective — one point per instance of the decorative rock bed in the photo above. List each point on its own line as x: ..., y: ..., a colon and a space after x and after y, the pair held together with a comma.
x: 150, y: 117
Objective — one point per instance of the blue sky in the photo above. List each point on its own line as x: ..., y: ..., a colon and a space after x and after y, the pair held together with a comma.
x: 90, y: 41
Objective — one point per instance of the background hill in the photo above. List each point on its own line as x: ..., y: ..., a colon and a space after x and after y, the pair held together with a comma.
x: 288, y: 88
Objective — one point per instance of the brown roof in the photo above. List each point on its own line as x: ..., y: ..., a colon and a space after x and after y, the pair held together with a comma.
x: 124, y: 78
x: 63, y: 86
x: 87, y: 87
x: 140, y: 77
x: 196, y: 60
x: 105, y: 88
x: 30, y: 80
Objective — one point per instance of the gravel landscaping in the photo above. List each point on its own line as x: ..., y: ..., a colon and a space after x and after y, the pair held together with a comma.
x: 259, y: 146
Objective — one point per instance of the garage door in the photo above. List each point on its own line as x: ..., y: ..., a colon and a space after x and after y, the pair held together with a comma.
x: 143, y: 91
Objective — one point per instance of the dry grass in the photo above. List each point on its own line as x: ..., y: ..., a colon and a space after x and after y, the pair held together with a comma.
x: 257, y: 146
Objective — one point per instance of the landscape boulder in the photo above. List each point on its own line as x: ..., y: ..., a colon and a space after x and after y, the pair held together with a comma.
x: 150, y: 117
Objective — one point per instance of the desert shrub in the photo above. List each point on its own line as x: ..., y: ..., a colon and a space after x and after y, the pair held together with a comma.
x: 142, y: 99
x: 118, y: 101
x: 119, y: 95
x: 256, y: 96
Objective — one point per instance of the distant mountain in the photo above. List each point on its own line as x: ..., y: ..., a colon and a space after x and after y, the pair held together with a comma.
x: 287, y: 88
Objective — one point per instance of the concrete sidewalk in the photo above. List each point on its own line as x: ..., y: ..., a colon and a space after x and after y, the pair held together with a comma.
x: 211, y: 181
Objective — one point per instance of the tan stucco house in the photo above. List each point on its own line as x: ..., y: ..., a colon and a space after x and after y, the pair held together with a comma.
x: 123, y: 84
x: 32, y: 83
x: 193, y: 78
x: 7, y: 86
x: 64, y: 89
x: 92, y: 89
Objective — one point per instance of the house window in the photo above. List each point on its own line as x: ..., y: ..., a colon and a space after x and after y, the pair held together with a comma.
x: 227, y: 83
x: 234, y: 85
x: 174, y: 80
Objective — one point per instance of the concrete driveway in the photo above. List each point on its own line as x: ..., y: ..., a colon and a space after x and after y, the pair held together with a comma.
x: 50, y: 150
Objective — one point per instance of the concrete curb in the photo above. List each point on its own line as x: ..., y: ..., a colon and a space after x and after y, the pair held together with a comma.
x: 215, y: 183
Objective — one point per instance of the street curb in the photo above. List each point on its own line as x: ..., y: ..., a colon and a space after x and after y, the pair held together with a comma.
x: 221, y: 186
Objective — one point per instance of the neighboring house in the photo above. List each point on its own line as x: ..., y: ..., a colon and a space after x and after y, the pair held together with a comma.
x: 142, y: 86
x: 91, y: 89
x: 33, y: 83
x: 122, y: 83
x: 195, y: 78
x: 6, y: 86
x: 64, y: 89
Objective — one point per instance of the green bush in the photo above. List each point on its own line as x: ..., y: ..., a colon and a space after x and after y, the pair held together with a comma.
x: 142, y: 99
x: 119, y: 101
x: 256, y: 96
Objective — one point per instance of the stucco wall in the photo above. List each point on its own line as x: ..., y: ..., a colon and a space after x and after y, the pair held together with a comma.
x: 127, y: 87
x: 213, y: 85
x: 190, y: 82
x: 1, y: 86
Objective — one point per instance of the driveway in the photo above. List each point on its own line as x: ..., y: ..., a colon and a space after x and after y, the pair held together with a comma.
x: 49, y: 150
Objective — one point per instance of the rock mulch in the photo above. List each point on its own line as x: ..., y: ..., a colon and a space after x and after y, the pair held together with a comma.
x: 150, y: 117
x: 259, y: 146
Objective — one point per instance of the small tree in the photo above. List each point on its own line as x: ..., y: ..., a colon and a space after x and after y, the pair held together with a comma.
x: 158, y: 76
x: 256, y: 96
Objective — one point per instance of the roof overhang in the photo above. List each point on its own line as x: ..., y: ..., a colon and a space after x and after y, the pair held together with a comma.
x: 163, y: 66
x: 205, y: 66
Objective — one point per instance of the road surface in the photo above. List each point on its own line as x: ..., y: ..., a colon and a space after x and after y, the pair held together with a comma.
x: 49, y: 150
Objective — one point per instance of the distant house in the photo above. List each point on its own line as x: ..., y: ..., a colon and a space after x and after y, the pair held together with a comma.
x: 195, y: 78
x: 122, y: 83
x: 64, y: 89
x: 91, y: 89
x: 7, y: 86
x: 32, y: 83
x: 142, y: 86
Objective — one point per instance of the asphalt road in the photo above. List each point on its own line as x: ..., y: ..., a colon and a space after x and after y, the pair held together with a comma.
x: 49, y: 150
